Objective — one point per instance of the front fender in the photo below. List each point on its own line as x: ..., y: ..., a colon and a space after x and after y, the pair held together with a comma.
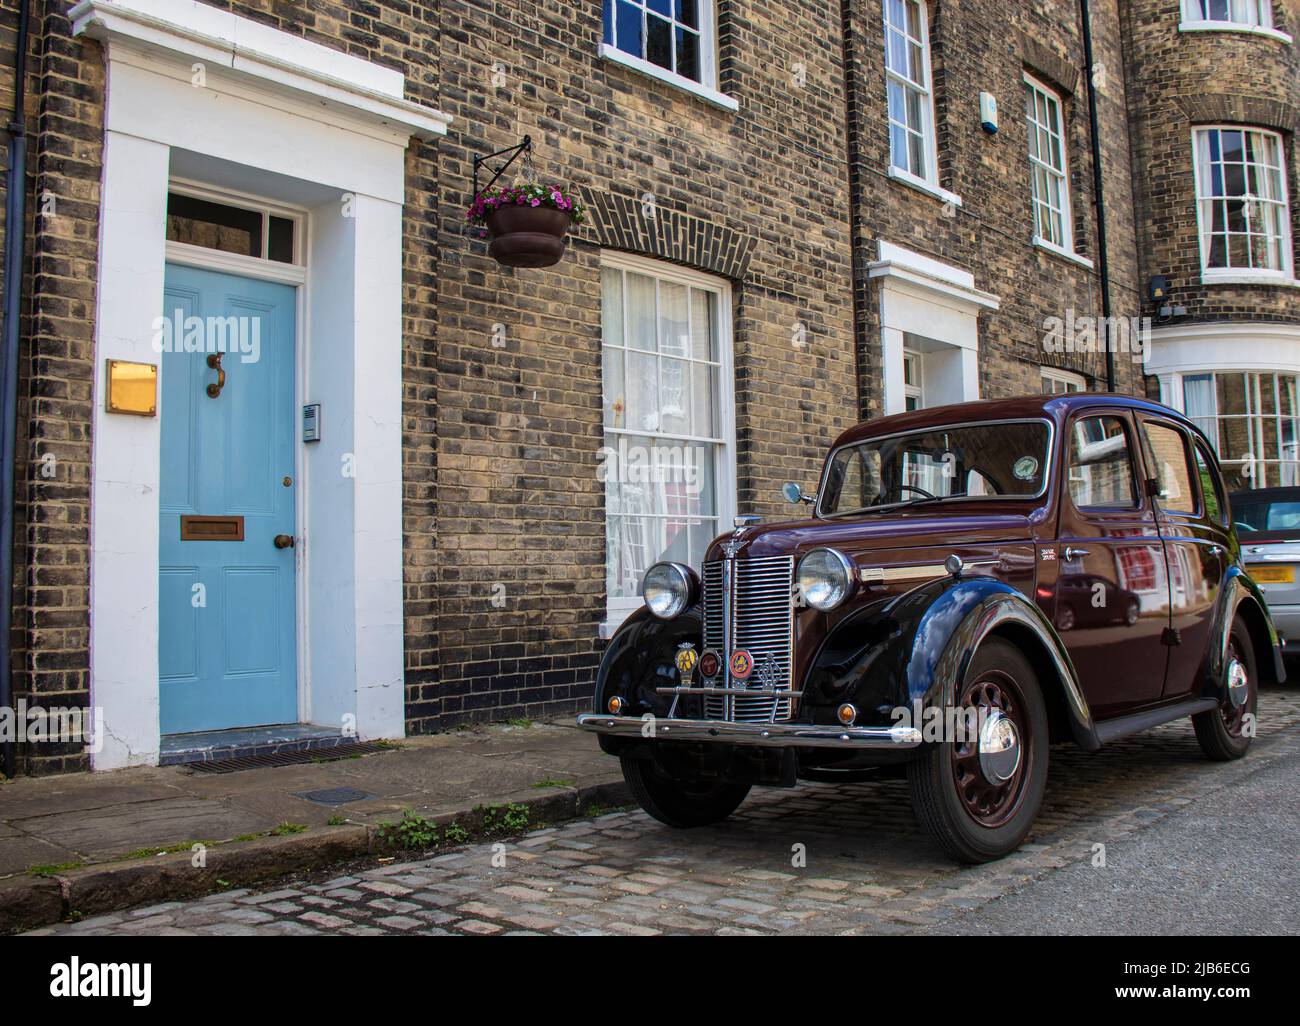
x: 917, y: 646
x: 639, y: 658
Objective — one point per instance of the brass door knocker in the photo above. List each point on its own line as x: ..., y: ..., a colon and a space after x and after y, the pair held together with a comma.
x: 214, y: 361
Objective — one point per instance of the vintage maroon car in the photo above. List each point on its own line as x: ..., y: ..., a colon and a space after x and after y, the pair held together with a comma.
x: 908, y: 624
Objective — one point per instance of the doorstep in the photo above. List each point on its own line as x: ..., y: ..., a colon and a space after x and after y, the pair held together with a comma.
x: 243, y: 742
x: 100, y: 842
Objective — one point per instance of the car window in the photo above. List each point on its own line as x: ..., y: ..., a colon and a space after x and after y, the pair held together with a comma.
x: 1211, y: 485
x: 1255, y: 514
x: 1003, y: 459
x: 1168, y: 449
x: 1101, y: 467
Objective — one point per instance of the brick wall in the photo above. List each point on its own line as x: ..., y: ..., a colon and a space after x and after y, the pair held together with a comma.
x: 1183, y: 79
x: 786, y: 198
x: 988, y: 47
x: 520, y: 503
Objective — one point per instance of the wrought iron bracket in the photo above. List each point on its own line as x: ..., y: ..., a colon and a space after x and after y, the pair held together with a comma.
x: 525, y: 148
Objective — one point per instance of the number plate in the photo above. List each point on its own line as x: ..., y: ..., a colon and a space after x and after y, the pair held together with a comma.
x: 1273, y: 574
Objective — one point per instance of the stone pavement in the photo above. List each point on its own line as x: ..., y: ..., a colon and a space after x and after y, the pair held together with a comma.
x: 109, y: 828
x: 816, y: 859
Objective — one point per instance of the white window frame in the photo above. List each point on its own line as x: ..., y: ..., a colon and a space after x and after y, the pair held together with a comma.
x: 1271, y: 472
x: 707, y: 87
x: 1073, y: 382
x: 914, y: 361
x: 929, y: 181
x: 1257, y: 19
x: 1066, y: 247
x: 1243, y: 275
x: 618, y: 609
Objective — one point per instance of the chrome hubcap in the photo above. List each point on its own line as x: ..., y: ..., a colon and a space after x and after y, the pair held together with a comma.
x: 999, y: 748
x: 1238, y: 684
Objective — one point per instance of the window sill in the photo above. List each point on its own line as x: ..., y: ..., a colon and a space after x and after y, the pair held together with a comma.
x: 1227, y: 26
x: 921, y: 185
x: 1064, y: 254
x: 1212, y: 277
x: 612, y: 53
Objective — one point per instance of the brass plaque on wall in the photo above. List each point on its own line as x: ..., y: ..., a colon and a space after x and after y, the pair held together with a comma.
x: 132, y: 388
x: 212, y: 528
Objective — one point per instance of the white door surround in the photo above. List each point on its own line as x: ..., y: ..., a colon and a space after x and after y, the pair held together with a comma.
x: 199, y: 93
x: 932, y: 308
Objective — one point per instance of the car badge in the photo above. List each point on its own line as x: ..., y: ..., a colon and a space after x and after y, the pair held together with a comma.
x: 769, y: 674
x: 709, y: 663
x: 742, y: 664
x: 733, y: 545
x: 686, y: 660
x: 1049, y: 555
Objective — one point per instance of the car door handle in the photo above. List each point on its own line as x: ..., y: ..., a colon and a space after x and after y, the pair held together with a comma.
x: 284, y: 541
x: 1074, y: 552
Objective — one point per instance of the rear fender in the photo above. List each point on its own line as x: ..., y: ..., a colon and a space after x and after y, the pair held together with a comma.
x: 1242, y: 597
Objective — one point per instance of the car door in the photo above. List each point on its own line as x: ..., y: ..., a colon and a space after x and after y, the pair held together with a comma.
x: 1111, y: 593
x: 1195, y: 547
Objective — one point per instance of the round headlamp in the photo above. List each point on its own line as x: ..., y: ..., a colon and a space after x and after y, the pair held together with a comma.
x: 825, y: 578
x: 668, y: 589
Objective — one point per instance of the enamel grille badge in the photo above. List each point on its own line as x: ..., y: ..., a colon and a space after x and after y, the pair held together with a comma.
x: 742, y: 664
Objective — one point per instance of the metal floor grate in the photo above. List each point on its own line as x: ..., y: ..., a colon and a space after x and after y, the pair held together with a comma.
x: 294, y: 758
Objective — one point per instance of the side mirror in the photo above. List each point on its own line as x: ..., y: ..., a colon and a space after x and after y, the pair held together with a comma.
x: 794, y: 494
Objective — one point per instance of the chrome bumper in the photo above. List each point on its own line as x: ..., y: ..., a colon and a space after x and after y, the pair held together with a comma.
x: 769, y: 735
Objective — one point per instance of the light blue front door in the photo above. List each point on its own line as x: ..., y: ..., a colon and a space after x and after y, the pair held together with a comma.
x: 226, y: 652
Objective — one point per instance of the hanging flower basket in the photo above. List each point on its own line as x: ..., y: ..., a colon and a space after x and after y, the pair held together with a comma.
x: 527, y: 225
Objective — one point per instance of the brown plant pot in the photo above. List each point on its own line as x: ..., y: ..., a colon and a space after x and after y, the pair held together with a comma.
x: 521, y: 236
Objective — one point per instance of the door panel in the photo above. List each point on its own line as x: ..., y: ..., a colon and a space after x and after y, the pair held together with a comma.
x: 227, y: 651
x: 1111, y: 596
x: 1195, y: 548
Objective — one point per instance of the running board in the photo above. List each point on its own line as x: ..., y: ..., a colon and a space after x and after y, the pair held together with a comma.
x: 1133, y: 723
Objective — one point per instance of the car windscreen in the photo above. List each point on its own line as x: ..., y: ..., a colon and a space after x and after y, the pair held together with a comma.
x: 1266, y: 519
x: 1006, y: 459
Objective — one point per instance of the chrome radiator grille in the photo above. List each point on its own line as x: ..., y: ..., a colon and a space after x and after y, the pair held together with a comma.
x: 747, y: 605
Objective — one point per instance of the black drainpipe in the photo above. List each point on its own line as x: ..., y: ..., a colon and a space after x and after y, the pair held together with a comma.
x: 15, y: 243
x: 1103, y: 264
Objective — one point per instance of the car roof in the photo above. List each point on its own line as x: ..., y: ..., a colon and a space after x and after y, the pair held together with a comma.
x: 1053, y: 407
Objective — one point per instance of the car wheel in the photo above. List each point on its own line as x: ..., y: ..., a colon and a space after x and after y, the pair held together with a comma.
x: 679, y: 803
x: 1064, y: 617
x: 1131, y: 613
x: 1222, y: 731
x: 978, y: 797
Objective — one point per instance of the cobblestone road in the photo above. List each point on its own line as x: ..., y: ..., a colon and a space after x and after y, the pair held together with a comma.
x: 869, y: 869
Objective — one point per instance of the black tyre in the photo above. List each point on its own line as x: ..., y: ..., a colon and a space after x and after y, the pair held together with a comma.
x: 967, y: 794
x: 1222, y: 732
x: 677, y: 803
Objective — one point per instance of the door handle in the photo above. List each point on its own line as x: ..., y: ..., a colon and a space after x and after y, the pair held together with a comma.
x: 1074, y: 552
x: 214, y: 361
x: 284, y: 541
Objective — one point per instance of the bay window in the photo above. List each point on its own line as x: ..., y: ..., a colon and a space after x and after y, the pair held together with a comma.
x: 1253, y: 420
x: 1250, y: 13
